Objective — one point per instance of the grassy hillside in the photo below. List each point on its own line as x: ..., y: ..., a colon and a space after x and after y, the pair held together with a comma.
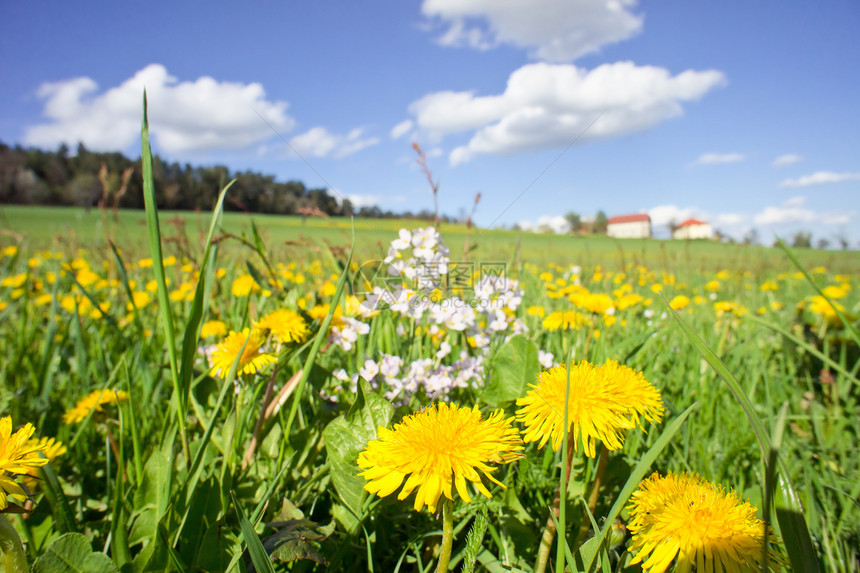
x: 292, y: 237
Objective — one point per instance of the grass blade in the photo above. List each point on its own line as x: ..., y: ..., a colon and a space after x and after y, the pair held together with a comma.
x: 306, y: 371
x: 64, y: 517
x: 189, y: 340
x: 154, y: 233
x: 258, y: 554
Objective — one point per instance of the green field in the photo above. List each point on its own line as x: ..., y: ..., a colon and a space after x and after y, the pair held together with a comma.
x: 67, y: 229
x: 245, y: 407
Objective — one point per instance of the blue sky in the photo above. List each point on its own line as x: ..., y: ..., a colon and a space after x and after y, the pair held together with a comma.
x: 741, y: 113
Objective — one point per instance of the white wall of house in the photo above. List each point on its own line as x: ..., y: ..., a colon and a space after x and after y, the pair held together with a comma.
x: 631, y: 230
x: 703, y: 231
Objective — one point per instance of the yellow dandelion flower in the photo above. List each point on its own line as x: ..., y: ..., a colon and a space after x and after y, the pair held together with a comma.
x: 14, y: 281
x: 834, y: 292
x: 286, y: 325
x: 252, y: 359
x: 536, y: 310
x: 698, y: 522
x: 213, y: 328
x: 17, y: 456
x: 603, y: 402
x: 9, y: 251
x: 628, y: 300
x: 680, y: 302
x: 245, y: 285
x: 93, y: 401
x: 328, y: 288
x: 732, y: 307
x: 567, y: 320
x: 140, y: 299
x: 439, y: 449
x: 51, y: 448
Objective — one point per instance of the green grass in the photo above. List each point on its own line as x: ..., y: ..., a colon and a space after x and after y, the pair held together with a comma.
x: 68, y: 228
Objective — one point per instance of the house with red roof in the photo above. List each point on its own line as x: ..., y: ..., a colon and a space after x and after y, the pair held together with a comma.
x: 693, y: 229
x: 629, y: 226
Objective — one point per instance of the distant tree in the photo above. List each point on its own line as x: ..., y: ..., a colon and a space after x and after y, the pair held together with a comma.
x: 751, y: 237
x: 673, y: 225
x: 575, y: 222
x: 822, y: 243
x: 601, y: 221
x: 346, y: 208
x: 842, y: 240
x: 802, y: 240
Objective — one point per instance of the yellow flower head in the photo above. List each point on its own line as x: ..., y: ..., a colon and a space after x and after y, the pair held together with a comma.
x: 680, y: 302
x: 437, y: 449
x: 687, y: 517
x: 286, y: 325
x: 566, y: 320
x: 251, y: 360
x: 213, y: 328
x: 93, y: 401
x: 244, y: 285
x: 602, y: 402
x: 51, y: 449
x: 17, y: 456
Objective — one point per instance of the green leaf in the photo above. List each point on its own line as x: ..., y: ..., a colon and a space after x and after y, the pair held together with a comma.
x: 72, y: 553
x: 295, y: 535
x: 346, y: 436
x: 514, y: 367
x: 203, y: 512
x: 152, y: 498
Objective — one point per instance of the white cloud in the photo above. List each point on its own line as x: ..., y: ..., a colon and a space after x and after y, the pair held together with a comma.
x: 794, y: 211
x: 730, y: 219
x: 319, y: 142
x: 712, y: 158
x: 359, y: 201
x: 665, y: 214
x: 820, y: 177
x: 555, y: 223
x: 401, y: 129
x: 786, y: 159
x: 184, y: 116
x: 548, y: 105
x: 552, y: 30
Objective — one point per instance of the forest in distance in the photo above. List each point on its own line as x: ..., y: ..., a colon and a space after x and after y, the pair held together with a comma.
x: 31, y: 176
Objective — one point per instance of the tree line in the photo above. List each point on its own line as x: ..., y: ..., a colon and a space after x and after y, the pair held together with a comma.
x: 30, y: 176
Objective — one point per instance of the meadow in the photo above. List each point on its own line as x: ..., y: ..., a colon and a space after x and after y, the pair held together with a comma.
x: 211, y: 395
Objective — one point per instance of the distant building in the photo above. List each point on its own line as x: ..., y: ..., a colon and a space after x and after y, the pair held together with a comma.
x: 629, y: 226
x: 693, y: 229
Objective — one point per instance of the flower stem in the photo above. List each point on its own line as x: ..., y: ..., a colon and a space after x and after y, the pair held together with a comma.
x: 600, y: 473
x: 447, y: 535
x: 549, y: 530
x: 14, y: 558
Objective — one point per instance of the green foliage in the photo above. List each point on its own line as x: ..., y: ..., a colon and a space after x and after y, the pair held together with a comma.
x: 345, y: 437
x: 192, y: 473
x: 72, y: 553
x: 513, y: 368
